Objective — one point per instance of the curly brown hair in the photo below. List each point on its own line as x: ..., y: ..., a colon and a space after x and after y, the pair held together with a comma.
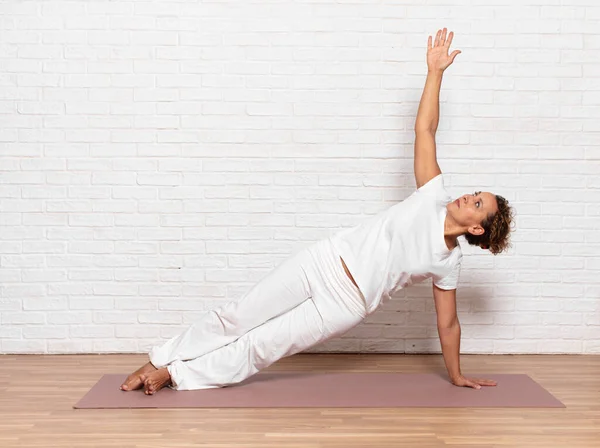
x: 497, y: 227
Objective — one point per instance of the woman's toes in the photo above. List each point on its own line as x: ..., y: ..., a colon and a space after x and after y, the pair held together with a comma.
x: 147, y: 386
x: 132, y: 382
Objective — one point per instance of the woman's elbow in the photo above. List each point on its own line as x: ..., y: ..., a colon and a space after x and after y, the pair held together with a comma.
x: 448, y: 323
x: 425, y: 127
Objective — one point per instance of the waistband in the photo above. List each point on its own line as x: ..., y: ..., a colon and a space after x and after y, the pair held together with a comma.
x: 330, y: 260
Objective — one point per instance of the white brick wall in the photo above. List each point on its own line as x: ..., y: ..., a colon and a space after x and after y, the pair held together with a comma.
x: 158, y: 157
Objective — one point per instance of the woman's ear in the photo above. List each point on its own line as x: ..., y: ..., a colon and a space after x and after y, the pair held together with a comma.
x: 476, y: 230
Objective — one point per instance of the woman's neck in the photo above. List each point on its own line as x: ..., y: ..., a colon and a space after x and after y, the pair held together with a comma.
x: 452, y: 230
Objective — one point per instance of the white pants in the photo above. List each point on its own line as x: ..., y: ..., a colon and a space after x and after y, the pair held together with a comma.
x: 303, y: 302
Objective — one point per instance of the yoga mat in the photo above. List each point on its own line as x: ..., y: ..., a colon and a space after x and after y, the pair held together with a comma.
x: 330, y: 390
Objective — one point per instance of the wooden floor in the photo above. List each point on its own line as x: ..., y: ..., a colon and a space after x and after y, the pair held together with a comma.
x: 37, y: 394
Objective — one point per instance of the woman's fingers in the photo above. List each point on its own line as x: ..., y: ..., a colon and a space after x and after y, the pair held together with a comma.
x: 450, y: 37
x: 473, y: 384
x: 453, y: 55
x: 443, y: 38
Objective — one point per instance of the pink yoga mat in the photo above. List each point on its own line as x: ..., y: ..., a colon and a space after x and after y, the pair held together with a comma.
x: 330, y: 390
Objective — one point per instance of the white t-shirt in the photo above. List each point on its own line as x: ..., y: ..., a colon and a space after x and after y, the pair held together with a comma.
x: 401, y: 246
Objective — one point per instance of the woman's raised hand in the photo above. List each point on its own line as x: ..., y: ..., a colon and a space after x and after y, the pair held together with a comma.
x: 438, y: 58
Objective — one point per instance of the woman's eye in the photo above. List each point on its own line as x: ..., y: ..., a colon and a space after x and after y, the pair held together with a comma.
x: 477, y: 204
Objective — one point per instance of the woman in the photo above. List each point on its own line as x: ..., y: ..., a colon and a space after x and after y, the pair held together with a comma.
x: 330, y: 287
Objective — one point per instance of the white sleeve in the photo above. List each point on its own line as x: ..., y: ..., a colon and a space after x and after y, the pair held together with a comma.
x: 450, y: 281
x: 434, y: 187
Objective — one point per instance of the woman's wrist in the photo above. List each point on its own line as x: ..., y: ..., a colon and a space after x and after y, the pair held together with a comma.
x: 435, y: 71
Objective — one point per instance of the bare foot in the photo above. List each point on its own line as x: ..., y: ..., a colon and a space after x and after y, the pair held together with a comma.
x: 155, y: 381
x: 134, y: 381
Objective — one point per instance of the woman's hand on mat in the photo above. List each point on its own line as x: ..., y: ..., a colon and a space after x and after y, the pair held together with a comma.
x: 438, y: 58
x: 475, y: 383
